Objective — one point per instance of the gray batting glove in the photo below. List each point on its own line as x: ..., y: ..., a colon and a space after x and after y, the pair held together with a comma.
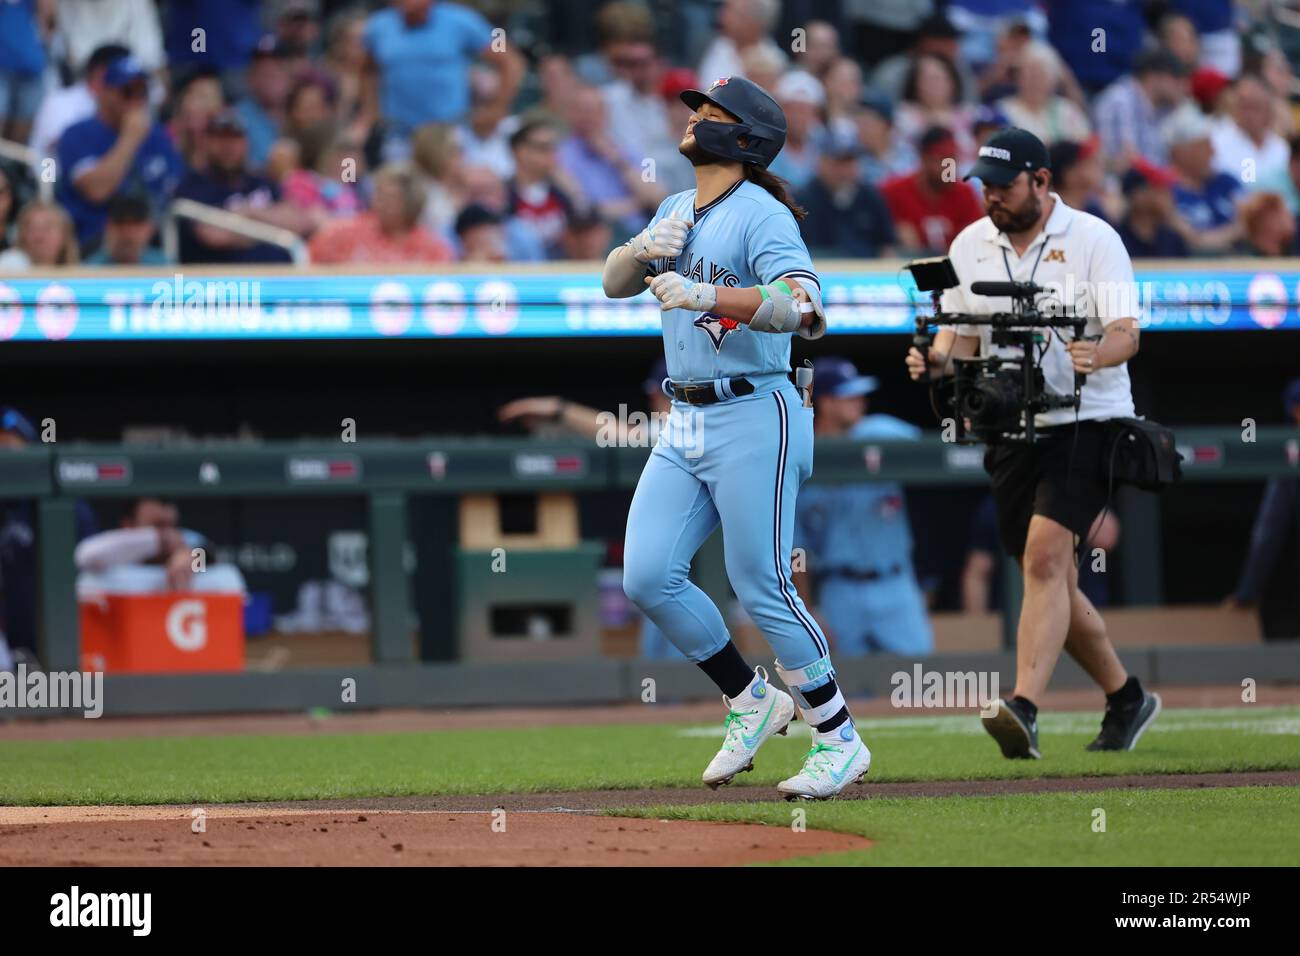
x: 675, y: 291
x: 663, y: 239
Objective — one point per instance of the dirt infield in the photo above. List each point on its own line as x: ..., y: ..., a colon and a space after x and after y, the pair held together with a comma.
x: 163, y: 836
x: 598, y: 800
x: 540, y: 829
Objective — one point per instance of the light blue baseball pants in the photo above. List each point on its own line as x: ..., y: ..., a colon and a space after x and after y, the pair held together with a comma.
x: 741, y: 463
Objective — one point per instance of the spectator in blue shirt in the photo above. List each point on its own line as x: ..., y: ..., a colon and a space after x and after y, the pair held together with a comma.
x: 846, y: 216
x: 1148, y: 227
x: 262, y: 110
x: 606, y: 173
x: 1098, y: 39
x: 127, y: 235
x: 802, y: 98
x: 1129, y: 112
x: 419, y: 54
x: 22, y: 61
x: 226, y: 183
x: 981, y: 24
x: 230, y: 30
x: 884, y: 154
x: 1205, y: 199
x: 121, y: 149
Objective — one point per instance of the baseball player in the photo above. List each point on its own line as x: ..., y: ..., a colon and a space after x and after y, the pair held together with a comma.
x: 734, y: 281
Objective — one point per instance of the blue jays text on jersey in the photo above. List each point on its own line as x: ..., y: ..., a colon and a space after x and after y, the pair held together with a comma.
x: 746, y: 237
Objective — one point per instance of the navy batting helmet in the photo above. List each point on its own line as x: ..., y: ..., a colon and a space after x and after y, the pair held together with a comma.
x: 761, y: 122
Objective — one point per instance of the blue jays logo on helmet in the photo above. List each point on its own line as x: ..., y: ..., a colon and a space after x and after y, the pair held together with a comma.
x: 759, y: 131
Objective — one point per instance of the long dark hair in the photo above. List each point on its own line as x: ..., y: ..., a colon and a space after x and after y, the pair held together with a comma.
x: 777, y: 186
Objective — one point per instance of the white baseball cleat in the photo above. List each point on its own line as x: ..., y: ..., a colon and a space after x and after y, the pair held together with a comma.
x: 758, y: 713
x: 837, y: 759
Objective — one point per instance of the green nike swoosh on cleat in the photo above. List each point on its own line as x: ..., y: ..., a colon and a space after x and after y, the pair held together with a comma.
x: 837, y: 777
x: 750, y: 740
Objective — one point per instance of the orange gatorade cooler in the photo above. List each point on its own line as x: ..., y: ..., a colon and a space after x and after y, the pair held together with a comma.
x: 162, y: 631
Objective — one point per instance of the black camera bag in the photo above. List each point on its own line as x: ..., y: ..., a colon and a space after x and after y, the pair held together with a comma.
x: 1142, y: 453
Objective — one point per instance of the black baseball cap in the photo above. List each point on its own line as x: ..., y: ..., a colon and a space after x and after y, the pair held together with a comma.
x: 473, y: 216
x: 938, y: 25
x: 1007, y: 154
x: 129, y: 207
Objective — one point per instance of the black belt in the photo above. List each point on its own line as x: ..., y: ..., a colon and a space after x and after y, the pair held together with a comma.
x: 853, y: 574
x: 706, y: 394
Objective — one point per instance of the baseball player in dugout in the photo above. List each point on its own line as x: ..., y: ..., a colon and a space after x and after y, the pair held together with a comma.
x: 1048, y: 493
x: 734, y: 282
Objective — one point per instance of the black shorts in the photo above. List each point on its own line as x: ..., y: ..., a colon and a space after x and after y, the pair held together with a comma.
x: 1047, y: 479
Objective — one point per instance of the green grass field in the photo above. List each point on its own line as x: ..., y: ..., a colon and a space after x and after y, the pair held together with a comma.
x: 1229, y: 825
x: 245, y: 768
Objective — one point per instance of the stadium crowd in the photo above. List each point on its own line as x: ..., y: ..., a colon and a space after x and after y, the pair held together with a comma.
x: 422, y: 131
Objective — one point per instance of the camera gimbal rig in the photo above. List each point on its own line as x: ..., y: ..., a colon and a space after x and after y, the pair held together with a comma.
x: 995, y: 398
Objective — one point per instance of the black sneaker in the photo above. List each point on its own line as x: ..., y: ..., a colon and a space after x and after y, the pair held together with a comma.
x: 1124, y: 724
x: 1014, y: 730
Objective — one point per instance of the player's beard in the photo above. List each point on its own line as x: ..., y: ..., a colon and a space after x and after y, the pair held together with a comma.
x: 1023, y: 218
x: 697, y: 154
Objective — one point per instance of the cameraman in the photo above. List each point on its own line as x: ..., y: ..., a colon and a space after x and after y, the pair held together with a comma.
x: 1048, y: 494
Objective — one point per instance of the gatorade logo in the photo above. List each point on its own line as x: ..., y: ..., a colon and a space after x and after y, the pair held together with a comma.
x: 187, y: 625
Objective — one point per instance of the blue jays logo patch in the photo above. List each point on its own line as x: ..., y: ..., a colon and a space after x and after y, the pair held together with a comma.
x: 717, y: 327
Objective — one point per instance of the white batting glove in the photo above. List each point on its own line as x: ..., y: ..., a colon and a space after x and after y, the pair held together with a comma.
x: 674, y: 292
x: 663, y: 239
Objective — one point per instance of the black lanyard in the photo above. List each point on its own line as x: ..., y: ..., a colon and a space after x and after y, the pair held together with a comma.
x: 1032, y: 272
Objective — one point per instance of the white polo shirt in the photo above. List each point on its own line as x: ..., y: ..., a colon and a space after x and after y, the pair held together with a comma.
x: 1080, y: 261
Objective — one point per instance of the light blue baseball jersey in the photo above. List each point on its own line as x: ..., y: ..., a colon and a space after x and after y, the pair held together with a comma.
x: 745, y: 237
x: 861, y: 526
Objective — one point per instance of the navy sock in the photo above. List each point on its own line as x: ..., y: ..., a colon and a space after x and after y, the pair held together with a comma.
x: 1129, y: 694
x: 728, y: 670
x: 820, y: 695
